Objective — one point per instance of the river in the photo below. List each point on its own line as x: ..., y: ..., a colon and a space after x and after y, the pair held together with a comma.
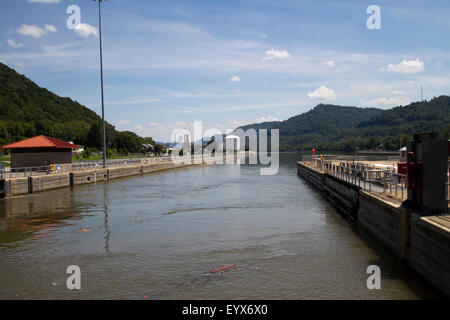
x: 159, y: 236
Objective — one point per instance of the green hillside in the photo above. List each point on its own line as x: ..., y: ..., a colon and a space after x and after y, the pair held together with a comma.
x: 331, y: 127
x: 27, y: 110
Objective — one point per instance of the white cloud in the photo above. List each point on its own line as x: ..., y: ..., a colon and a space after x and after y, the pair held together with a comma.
x: 123, y: 123
x: 276, y: 54
x: 439, y: 64
x: 323, y: 93
x: 50, y: 28
x: 329, y: 63
x: 383, y: 101
x: 266, y: 119
x: 398, y: 92
x: 264, y: 36
x: 13, y: 44
x: 234, y: 79
x: 44, y: 1
x: 138, y: 127
x: 31, y: 30
x: 406, y: 66
x: 85, y: 30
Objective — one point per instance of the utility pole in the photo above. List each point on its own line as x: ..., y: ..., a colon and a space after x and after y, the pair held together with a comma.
x: 101, y: 80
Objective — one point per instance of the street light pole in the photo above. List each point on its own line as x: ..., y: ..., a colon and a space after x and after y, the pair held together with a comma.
x: 101, y: 80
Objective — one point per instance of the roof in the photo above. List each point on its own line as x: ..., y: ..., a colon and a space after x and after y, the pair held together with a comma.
x: 41, y: 142
x: 231, y: 136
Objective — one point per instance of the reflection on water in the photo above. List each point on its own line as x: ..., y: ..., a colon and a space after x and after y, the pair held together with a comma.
x: 162, y: 235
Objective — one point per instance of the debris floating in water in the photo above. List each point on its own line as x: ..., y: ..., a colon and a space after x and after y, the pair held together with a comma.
x: 224, y: 268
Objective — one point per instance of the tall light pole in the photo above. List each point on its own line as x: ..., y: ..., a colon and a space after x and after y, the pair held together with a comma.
x: 101, y: 80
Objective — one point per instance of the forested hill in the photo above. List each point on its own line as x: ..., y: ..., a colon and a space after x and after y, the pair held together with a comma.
x: 27, y: 110
x: 331, y: 127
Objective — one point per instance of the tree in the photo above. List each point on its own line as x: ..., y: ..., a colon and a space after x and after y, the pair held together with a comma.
x: 94, y: 137
x: 129, y: 141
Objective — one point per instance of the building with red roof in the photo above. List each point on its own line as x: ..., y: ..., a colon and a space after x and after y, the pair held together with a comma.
x: 40, y: 151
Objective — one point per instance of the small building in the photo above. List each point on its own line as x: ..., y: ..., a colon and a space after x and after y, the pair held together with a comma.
x: 148, y: 147
x: 233, y: 141
x: 40, y: 151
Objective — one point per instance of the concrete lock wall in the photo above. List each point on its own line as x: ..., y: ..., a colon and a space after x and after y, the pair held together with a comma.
x: 313, y: 176
x: 342, y: 194
x: 157, y: 167
x: 430, y: 252
x: 384, y: 221
x: 91, y: 176
x: 114, y: 173
x: 17, y: 186
x: 82, y: 177
x: 101, y: 175
x: 48, y: 182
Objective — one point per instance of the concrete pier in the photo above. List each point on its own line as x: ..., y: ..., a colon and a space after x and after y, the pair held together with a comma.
x: 73, y: 176
x: 32, y: 184
x: 422, y: 242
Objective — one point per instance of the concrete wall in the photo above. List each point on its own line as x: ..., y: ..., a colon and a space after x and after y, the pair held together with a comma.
x: 430, y: 252
x: 48, y: 182
x: 17, y: 187
x: 342, y: 194
x: 313, y: 176
x: 384, y: 221
x: 82, y: 177
x: 114, y: 173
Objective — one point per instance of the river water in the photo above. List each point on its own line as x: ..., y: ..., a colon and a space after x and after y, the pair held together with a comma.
x: 159, y: 236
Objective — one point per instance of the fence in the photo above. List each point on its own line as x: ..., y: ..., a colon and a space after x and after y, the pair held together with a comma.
x: 367, y: 177
x: 98, y: 164
x: 76, y: 166
x: 356, y: 157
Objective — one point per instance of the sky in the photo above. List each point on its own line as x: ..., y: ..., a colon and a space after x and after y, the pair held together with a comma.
x: 228, y: 63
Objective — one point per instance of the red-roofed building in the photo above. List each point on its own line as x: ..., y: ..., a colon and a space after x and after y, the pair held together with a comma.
x: 40, y: 151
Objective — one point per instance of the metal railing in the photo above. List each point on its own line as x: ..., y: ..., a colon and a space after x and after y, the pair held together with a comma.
x: 96, y: 165
x: 356, y: 157
x: 367, y: 177
x: 11, y: 173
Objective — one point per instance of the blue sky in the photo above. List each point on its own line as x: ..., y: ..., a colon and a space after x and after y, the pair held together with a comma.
x: 228, y: 63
